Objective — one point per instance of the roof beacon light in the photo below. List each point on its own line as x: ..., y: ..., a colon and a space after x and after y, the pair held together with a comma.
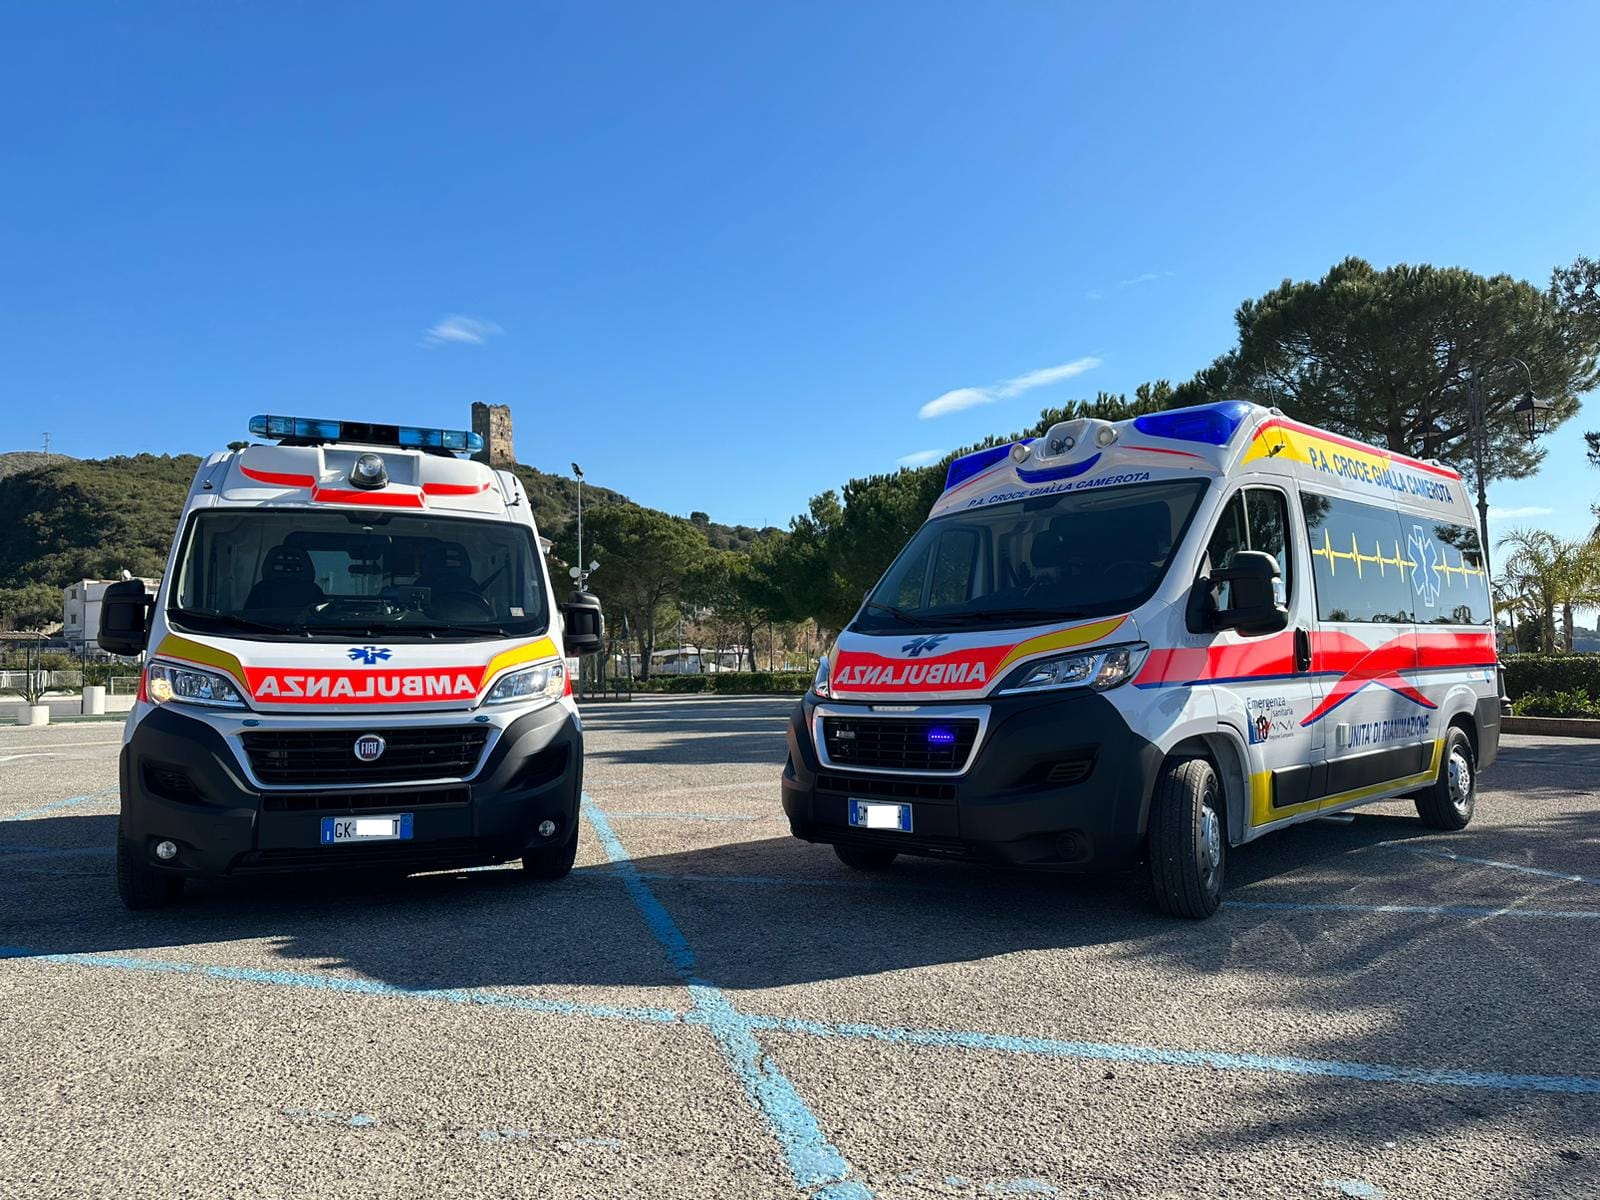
x: 369, y: 472
x: 409, y: 437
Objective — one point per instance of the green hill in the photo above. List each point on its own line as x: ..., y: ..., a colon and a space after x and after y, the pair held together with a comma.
x: 68, y: 518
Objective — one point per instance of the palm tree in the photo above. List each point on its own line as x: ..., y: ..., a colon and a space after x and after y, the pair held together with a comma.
x: 1545, y: 572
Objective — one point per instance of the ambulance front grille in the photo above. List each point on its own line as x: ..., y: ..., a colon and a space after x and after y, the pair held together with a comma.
x: 328, y: 756
x: 899, y: 744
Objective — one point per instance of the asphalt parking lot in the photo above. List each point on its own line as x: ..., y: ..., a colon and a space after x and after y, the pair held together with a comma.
x: 709, y: 1008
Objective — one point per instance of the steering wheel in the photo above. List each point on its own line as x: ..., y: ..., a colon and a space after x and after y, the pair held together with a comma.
x: 460, y: 605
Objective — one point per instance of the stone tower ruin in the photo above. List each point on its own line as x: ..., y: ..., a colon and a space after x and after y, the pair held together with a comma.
x: 492, y: 422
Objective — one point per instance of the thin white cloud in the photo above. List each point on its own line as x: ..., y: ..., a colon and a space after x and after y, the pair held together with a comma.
x: 1517, y: 514
x: 457, y: 330
x: 1006, y: 389
x: 1096, y: 294
x: 1143, y: 277
x: 920, y: 459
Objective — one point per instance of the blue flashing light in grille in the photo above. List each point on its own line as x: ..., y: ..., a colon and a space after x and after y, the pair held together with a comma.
x: 941, y: 737
x: 1212, y: 424
x: 319, y: 429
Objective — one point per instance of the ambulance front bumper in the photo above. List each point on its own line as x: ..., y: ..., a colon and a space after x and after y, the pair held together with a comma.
x: 1055, y: 781
x: 183, y: 781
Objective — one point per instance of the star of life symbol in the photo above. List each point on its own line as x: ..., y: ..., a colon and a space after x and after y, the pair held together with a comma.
x: 368, y: 654
x: 917, y: 645
x: 1424, y: 566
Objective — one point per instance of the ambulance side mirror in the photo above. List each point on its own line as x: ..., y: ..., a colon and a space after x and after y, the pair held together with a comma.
x: 1253, y: 606
x: 585, y: 624
x: 125, y: 612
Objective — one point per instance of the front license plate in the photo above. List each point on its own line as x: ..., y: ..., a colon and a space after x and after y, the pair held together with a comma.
x: 395, y: 827
x: 870, y: 814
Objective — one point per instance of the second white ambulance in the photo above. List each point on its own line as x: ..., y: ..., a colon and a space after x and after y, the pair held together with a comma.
x: 1156, y: 638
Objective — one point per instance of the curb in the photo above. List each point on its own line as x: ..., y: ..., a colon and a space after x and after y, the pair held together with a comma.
x: 1582, y: 727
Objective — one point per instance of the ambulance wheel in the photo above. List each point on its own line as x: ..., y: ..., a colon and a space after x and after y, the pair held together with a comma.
x: 865, y: 858
x: 1188, y: 839
x: 139, y: 885
x: 552, y: 862
x: 1448, y: 804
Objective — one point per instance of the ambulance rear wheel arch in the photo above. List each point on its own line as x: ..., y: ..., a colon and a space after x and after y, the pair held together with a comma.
x: 1227, y: 758
x: 1462, y: 706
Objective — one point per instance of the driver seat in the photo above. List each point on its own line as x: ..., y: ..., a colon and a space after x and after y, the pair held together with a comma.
x: 446, y: 568
x: 287, y: 581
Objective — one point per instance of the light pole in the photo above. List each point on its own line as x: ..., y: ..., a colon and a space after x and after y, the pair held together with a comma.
x: 1531, y: 410
x: 578, y: 472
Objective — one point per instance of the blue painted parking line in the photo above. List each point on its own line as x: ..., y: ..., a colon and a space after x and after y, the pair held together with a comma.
x: 1585, y: 1085
x: 1425, y: 910
x: 815, y: 1163
x: 57, y: 805
x: 364, y: 987
x: 1382, y: 1073
x: 1504, y: 866
x: 757, y: 880
x: 1479, y: 912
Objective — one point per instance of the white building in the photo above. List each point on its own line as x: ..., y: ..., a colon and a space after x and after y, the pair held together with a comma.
x: 80, y: 609
x: 684, y: 660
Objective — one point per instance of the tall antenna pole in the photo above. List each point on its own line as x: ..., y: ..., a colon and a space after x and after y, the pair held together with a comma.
x: 47, y: 445
x: 583, y: 571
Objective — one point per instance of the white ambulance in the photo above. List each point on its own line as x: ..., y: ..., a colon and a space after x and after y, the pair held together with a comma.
x: 354, y: 660
x: 1156, y: 639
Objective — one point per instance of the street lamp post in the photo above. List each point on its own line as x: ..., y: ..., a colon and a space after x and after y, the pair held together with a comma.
x: 1532, y: 411
x: 578, y: 472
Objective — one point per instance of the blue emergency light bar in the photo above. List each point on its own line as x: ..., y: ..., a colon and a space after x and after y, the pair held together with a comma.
x: 318, y: 429
x: 968, y: 465
x: 1210, y: 424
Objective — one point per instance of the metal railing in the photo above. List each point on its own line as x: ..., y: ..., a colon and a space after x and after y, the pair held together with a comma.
x: 15, y: 681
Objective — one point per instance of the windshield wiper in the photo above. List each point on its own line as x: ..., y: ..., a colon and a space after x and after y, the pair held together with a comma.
x: 426, y: 627
x: 1022, y: 614
x: 232, y: 620
x: 917, y: 618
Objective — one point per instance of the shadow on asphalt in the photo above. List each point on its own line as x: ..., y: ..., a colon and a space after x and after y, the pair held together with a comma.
x: 494, y: 928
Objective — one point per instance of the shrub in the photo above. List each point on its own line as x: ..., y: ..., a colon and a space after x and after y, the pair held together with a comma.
x: 776, y: 683
x: 1551, y: 673
x: 1577, y: 703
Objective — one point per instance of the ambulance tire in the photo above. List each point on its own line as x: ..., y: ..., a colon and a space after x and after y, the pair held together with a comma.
x: 139, y: 885
x: 552, y: 862
x: 865, y: 858
x: 1188, y: 839
x: 1448, y: 804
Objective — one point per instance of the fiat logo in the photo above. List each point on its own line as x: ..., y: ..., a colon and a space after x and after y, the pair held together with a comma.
x: 369, y: 747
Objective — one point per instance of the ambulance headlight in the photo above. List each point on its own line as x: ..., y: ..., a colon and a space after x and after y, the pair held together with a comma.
x: 820, y: 684
x: 1099, y: 670
x: 167, y: 682
x: 545, y: 682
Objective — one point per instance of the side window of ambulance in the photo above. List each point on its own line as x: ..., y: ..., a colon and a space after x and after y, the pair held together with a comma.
x: 1360, y: 560
x: 1229, y: 535
x: 1268, y: 510
x: 1254, y: 519
x: 1452, y: 574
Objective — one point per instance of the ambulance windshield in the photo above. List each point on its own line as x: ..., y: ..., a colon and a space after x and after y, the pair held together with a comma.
x: 1059, y: 557
x: 333, y: 574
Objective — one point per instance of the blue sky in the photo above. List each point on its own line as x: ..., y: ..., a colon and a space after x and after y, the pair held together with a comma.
x: 723, y: 255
